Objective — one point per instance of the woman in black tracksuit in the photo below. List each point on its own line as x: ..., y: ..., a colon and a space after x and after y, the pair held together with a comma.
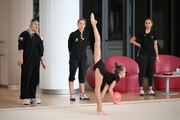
x: 147, y: 54
x: 77, y: 44
x: 30, y: 46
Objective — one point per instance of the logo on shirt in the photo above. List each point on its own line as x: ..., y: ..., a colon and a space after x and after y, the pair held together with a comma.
x: 152, y: 37
x: 42, y: 39
x: 76, y: 40
x: 21, y: 38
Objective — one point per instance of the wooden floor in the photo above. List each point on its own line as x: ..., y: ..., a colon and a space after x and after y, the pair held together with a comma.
x: 9, y: 98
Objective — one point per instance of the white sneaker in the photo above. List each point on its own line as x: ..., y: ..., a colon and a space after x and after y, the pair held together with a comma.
x: 84, y: 97
x: 72, y: 97
x: 151, y: 93
x: 25, y: 102
x: 141, y: 93
x: 35, y: 101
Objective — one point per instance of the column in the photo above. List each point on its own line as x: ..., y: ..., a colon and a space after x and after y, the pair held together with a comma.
x: 58, y: 18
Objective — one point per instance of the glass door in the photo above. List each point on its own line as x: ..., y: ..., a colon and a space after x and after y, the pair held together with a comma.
x: 109, y: 16
x: 115, y: 27
x: 162, y: 25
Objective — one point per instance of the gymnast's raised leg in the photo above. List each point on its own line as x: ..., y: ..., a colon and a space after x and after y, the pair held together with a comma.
x: 97, y: 57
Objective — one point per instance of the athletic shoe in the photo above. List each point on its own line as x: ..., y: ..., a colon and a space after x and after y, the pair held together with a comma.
x: 72, y: 97
x: 35, y: 101
x: 25, y: 102
x: 84, y: 97
x: 141, y: 93
x: 151, y: 93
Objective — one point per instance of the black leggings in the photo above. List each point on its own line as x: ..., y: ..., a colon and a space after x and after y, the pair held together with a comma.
x: 146, y: 69
x: 73, y: 65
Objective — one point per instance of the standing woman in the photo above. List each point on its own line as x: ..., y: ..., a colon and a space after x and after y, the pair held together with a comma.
x: 30, y: 46
x: 101, y: 75
x: 147, y: 54
x: 77, y: 44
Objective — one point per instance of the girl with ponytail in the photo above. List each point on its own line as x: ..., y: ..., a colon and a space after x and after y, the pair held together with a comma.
x: 101, y: 75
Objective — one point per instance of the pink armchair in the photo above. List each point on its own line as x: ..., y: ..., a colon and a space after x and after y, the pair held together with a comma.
x: 129, y: 84
x: 167, y: 63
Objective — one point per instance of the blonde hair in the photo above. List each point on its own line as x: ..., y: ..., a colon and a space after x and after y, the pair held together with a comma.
x: 29, y: 28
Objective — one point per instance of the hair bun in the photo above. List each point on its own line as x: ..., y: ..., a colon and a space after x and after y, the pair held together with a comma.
x: 116, y: 64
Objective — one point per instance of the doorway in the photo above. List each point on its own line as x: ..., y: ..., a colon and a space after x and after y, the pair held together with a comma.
x: 1, y: 57
x: 109, y: 14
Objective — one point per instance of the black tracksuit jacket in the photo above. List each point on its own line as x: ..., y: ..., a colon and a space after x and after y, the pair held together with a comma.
x: 26, y: 43
x: 77, y: 45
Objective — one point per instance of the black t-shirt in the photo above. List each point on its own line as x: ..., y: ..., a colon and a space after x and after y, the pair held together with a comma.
x: 37, y: 43
x: 147, y: 42
x: 110, y: 77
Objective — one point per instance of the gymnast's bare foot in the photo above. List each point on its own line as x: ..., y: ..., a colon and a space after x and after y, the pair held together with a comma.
x: 93, y: 21
x: 100, y: 112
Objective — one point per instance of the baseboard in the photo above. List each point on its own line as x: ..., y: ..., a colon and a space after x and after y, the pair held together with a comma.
x: 13, y: 86
x: 10, y: 86
x: 3, y: 86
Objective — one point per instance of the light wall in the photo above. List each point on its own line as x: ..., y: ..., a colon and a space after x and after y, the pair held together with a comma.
x: 56, y: 23
x: 15, y: 16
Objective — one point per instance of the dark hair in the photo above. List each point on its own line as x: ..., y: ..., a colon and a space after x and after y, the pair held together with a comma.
x: 118, y: 68
x: 149, y: 19
x: 82, y: 19
x: 34, y: 19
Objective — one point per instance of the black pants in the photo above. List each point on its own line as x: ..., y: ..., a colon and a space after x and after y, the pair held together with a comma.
x: 73, y: 65
x: 30, y: 77
x: 146, y: 69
